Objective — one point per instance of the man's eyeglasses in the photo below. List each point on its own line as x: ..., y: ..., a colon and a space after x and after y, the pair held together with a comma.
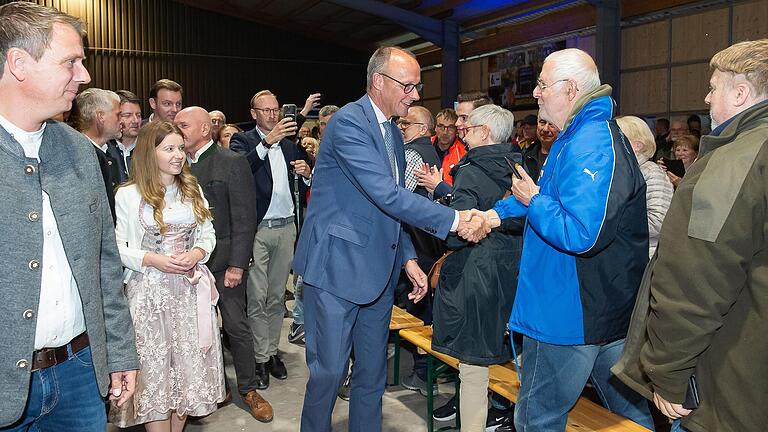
x: 444, y: 127
x: 466, y: 129
x: 543, y: 86
x: 407, y: 88
x: 268, y: 110
x: 405, y: 124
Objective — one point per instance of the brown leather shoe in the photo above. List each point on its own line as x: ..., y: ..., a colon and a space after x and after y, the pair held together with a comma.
x: 261, y: 410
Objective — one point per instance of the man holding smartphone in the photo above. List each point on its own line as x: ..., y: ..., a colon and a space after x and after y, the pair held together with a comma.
x: 273, y: 158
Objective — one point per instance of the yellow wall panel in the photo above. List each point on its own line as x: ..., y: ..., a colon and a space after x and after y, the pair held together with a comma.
x: 644, y: 92
x: 690, y: 84
x: 699, y: 36
x: 645, y: 45
x: 750, y: 21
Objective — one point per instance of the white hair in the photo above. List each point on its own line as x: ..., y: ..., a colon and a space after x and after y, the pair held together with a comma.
x: 93, y: 100
x: 575, y: 64
x: 500, y: 121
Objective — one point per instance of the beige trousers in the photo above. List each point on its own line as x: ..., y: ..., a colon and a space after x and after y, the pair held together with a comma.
x: 473, y: 400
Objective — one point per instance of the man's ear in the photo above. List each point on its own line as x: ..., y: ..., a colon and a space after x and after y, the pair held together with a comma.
x: 206, y: 128
x: 742, y: 93
x: 152, y: 103
x: 16, y: 62
x: 253, y: 113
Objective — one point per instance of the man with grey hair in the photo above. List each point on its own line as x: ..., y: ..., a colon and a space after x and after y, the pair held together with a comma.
x: 352, y: 246
x: 65, y: 327
x: 324, y: 116
x: 584, y: 251
x: 218, y: 120
x: 99, y: 121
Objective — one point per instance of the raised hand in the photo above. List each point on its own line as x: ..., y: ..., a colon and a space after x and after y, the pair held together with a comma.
x: 428, y: 177
x: 313, y: 101
x: 283, y: 128
x: 473, y: 225
x: 524, y: 189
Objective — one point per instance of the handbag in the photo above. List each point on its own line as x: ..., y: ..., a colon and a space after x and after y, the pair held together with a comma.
x: 434, y: 271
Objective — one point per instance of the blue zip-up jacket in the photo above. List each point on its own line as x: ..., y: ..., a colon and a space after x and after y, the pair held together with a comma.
x: 585, y: 244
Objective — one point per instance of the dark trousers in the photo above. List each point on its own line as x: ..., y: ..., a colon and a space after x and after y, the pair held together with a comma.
x: 332, y: 326
x: 233, y: 305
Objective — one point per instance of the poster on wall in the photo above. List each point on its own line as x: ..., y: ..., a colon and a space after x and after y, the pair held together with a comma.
x: 512, y: 75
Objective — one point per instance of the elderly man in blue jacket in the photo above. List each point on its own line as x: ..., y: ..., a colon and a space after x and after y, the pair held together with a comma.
x: 584, y: 250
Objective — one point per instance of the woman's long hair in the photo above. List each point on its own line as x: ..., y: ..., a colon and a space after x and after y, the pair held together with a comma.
x: 145, y: 174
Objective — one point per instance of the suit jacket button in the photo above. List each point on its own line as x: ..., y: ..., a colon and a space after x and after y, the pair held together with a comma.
x: 28, y: 314
x: 34, y: 216
x: 34, y: 265
x: 22, y: 364
x: 29, y: 169
x: 109, y: 162
x: 394, y: 246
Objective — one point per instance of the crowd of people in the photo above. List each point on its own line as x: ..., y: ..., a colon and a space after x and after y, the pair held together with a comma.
x: 131, y: 234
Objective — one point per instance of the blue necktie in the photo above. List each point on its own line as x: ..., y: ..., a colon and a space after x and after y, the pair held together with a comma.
x: 389, y: 143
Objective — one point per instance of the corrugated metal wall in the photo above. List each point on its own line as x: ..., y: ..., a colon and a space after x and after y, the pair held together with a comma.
x: 220, y: 61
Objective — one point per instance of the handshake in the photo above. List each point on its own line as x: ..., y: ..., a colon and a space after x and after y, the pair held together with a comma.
x: 474, y: 224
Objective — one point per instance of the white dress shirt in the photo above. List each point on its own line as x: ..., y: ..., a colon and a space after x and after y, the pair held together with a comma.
x: 381, y: 118
x: 60, y: 311
x: 281, y: 202
x: 126, y: 153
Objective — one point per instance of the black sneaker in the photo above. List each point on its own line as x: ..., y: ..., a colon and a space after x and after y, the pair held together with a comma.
x: 446, y: 412
x: 508, y: 425
x: 296, y: 334
x: 496, y: 418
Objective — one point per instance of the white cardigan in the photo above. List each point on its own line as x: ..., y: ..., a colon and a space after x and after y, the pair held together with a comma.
x: 129, y: 231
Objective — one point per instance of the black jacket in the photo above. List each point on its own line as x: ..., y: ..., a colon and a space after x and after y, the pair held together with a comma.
x: 477, y: 282
x: 245, y: 143
x: 228, y: 186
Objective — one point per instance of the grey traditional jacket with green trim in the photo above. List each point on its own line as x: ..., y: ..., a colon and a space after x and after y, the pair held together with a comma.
x: 69, y: 172
x: 703, y: 304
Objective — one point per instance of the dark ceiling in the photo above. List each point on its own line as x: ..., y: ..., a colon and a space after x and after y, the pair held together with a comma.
x: 484, y: 24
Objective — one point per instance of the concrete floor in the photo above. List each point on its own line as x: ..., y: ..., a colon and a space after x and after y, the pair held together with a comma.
x: 403, y: 410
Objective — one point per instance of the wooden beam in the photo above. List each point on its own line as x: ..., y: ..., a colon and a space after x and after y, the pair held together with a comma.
x: 549, y: 25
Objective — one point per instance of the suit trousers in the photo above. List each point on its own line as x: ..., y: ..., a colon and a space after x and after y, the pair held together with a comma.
x: 267, y: 278
x: 332, y: 326
x: 234, y: 317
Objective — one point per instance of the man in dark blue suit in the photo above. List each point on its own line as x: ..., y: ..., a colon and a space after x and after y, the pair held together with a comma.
x: 353, y: 246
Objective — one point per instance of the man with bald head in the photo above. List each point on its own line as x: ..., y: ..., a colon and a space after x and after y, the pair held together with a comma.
x: 353, y: 246
x: 228, y: 186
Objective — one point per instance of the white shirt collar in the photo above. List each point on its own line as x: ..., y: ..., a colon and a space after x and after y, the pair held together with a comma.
x: 199, y: 152
x: 30, y: 141
x: 102, y: 147
x: 125, y: 148
x: 380, y: 117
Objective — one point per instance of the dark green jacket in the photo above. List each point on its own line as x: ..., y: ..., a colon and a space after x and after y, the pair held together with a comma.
x: 703, y: 306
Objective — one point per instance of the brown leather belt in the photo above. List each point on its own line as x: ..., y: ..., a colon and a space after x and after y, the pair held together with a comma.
x: 48, y: 357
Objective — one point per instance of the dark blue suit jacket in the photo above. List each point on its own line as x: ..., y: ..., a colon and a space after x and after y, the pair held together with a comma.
x: 245, y: 143
x: 352, y: 238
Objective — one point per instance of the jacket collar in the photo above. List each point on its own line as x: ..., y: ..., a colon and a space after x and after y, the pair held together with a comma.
x: 597, y: 103
x: 747, y: 119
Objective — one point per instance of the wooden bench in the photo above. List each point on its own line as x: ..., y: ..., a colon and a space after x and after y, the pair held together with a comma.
x: 400, y: 320
x: 585, y: 416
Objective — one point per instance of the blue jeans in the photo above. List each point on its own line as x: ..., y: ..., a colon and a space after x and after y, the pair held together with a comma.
x: 64, y: 397
x: 677, y: 426
x: 553, y: 377
x: 298, y: 302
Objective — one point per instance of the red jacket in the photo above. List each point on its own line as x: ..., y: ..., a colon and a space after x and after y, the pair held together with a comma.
x: 451, y: 158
